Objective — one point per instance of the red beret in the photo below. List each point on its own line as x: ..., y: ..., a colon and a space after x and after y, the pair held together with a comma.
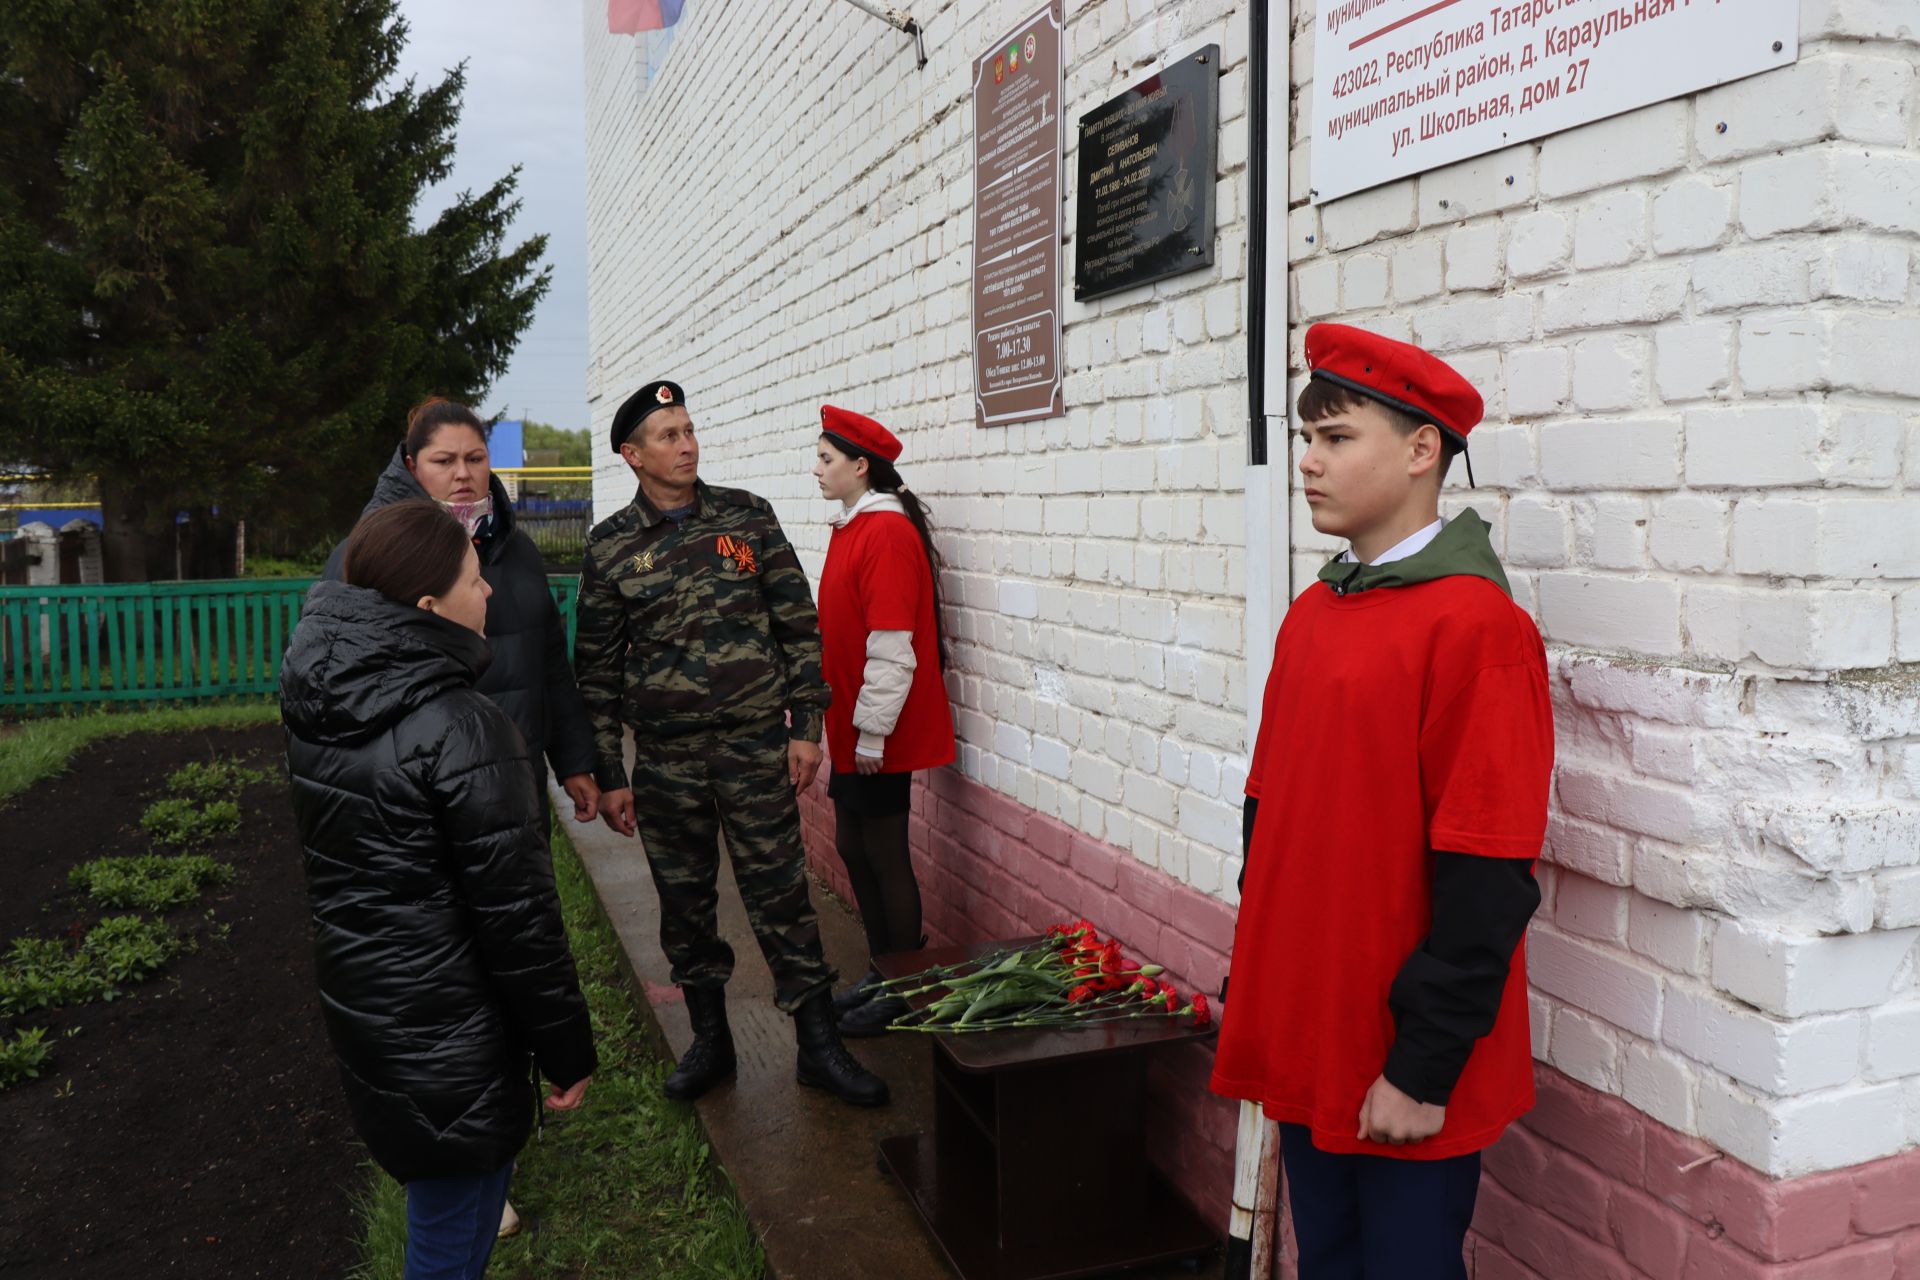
x: 860, y: 431
x: 1397, y: 374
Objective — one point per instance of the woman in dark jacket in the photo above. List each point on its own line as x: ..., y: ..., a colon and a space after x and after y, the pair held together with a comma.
x: 444, y: 457
x: 444, y: 970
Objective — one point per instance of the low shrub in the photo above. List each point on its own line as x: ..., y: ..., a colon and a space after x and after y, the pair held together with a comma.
x: 150, y: 882
x: 129, y: 948
x: 23, y: 1054
x: 180, y: 823
x: 40, y: 973
x: 213, y: 781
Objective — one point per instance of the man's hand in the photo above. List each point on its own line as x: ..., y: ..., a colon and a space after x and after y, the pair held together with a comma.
x: 616, y: 810
x: 567, y: 1099
x: 585, y: 794
x: 803, y: 762
x: 1390, y: 1116
x: 867, y: 764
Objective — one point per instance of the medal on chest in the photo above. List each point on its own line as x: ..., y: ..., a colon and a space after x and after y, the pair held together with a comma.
x: 735, y: 554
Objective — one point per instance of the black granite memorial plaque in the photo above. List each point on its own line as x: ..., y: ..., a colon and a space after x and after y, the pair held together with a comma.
x: 1146, y: 179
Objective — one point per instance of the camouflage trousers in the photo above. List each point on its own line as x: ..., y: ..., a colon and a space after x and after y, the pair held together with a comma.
x: 689, y: 790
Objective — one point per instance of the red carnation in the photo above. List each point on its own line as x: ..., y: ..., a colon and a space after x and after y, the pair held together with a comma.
x: 1201, y: 1015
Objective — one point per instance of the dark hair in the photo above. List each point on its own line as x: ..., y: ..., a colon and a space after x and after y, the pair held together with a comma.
x: 1323, y: 399
x: 425, y: 419
x: 406, y: 550
x: 885, y: 477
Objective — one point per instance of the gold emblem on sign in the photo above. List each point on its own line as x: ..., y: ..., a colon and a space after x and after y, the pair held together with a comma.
x: 643, y: 563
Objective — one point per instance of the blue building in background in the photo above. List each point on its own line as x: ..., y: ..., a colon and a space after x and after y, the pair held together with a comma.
x: 507, y: 443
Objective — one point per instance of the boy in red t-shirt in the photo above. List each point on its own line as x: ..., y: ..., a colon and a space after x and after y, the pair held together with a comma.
x: 1395, y: 803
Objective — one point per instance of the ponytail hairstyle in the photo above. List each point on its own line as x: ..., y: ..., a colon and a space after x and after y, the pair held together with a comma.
x: 425, y: 419
x: 884, y: 477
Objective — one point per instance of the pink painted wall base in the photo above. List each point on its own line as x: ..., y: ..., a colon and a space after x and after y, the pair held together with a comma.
x: 1586, y: 1186
x: 1583, y: 1188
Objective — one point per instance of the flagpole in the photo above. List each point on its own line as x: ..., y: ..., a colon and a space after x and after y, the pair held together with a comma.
x: 900, y: 20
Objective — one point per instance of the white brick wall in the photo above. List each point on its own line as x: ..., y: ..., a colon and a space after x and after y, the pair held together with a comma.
x: 1700, y: 351
x: 1701, y: 355
x: 783, y: 217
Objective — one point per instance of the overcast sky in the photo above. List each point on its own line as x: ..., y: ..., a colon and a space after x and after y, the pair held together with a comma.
x: 525, y: 104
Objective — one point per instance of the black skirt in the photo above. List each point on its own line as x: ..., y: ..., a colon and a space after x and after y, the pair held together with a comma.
x: 871, y: 795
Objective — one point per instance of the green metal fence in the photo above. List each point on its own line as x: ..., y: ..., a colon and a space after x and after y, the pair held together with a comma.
x: 566, y: 590
x: 156, y: 642
x: 553, y: 506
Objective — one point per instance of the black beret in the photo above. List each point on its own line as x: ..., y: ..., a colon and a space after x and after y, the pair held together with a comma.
x: 634, y: 409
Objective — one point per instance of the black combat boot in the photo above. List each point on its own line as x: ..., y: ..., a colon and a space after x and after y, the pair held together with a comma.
x: 874, y: 1017
x: 857, y: 994
x: 874, y: 1011
x: 824, y: 1062
x: 709, y: 1059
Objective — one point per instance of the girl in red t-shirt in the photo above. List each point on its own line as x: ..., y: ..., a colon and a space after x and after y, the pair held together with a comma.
x: 881, y: 654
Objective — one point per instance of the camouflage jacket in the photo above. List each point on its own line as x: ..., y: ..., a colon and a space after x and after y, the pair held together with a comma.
x: 705, y: 624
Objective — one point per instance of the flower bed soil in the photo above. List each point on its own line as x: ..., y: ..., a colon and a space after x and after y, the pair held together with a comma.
x: 204, y: 1132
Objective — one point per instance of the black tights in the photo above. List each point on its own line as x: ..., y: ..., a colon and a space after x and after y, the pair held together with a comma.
x: 875, y: 851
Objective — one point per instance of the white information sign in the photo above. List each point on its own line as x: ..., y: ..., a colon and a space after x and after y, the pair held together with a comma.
x: 1403, y: 86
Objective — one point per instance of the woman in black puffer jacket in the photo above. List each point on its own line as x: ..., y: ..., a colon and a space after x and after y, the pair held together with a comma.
x: 444, y: 457
x: 443, y: 964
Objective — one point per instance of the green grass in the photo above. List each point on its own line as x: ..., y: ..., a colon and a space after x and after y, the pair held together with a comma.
x: 38, y: 749
x: 306, y: 566
x: 623, y: 1189
x: 37, y: 973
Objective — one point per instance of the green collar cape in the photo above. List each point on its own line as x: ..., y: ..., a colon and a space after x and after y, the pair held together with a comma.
x: 1462, y: 548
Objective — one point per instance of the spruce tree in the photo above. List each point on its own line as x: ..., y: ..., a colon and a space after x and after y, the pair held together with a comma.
x: 212, y: 293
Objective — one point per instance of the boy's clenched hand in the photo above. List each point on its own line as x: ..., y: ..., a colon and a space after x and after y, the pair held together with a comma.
x: 1390, y: 1116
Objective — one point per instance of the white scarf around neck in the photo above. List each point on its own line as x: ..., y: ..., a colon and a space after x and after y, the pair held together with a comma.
x: 871, y: 500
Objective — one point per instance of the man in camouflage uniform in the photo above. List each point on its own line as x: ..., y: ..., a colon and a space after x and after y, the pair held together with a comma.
x: 696, y: 630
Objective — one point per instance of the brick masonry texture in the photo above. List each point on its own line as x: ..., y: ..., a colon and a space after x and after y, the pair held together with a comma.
x: 1701, y: 461
x: 1586, y: 1186
x: 783, y: 217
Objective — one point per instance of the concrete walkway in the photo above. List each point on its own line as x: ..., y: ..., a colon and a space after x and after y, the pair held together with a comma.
x: 804, y: 1164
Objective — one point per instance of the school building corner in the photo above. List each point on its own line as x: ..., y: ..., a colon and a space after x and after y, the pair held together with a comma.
x: 1673, y: 244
